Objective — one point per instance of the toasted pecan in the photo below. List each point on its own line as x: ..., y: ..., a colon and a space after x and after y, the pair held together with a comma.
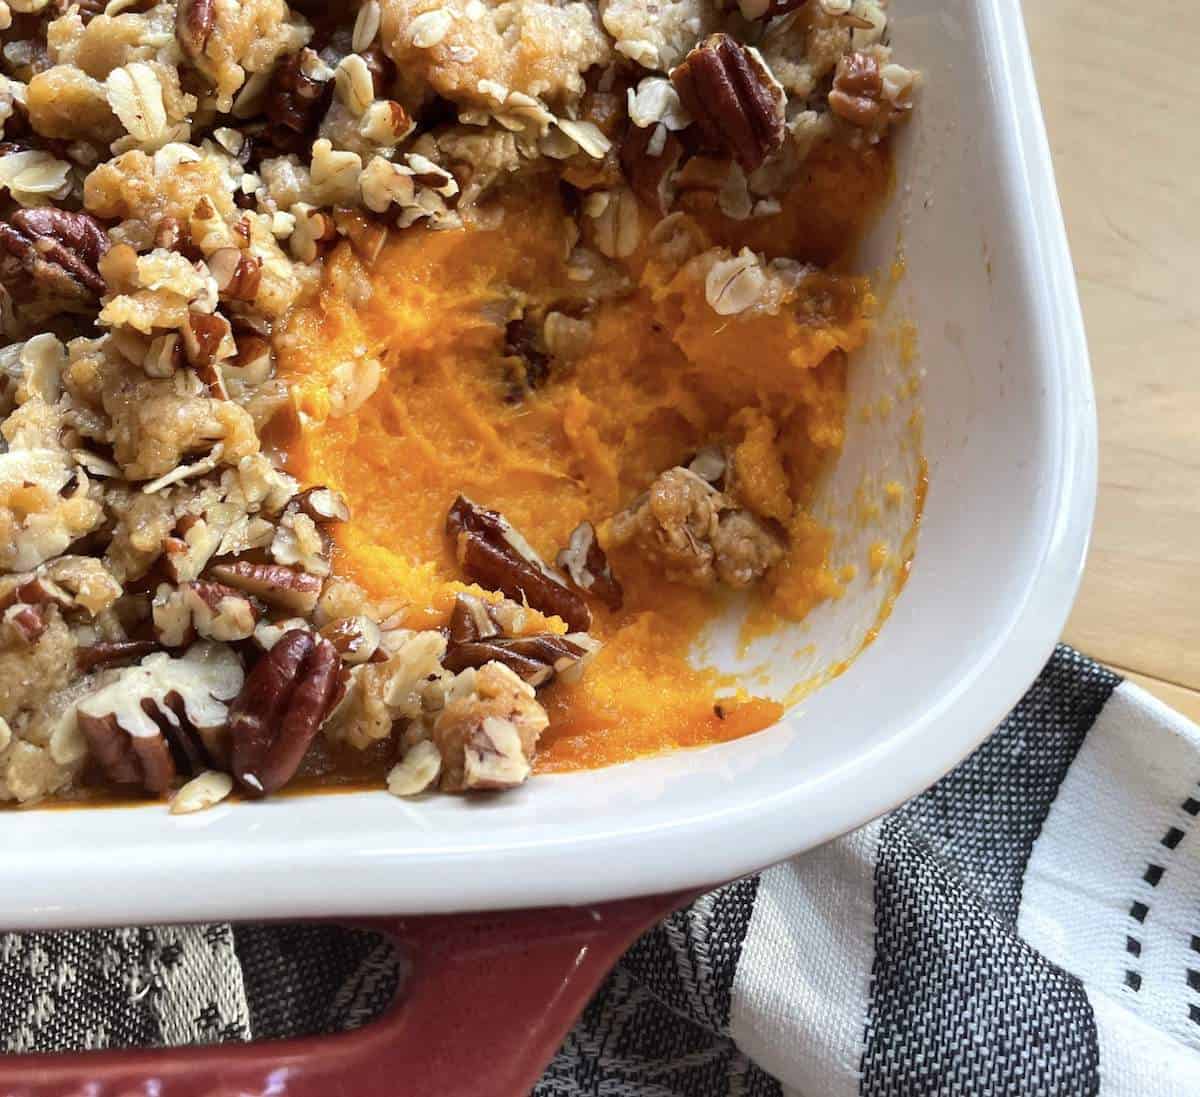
x: 736, y: 102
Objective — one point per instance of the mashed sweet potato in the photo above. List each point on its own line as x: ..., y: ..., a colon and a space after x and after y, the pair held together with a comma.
x: 660, y: 375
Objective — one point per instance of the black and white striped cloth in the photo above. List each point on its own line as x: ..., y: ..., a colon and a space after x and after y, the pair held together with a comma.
x: 1029, y: 926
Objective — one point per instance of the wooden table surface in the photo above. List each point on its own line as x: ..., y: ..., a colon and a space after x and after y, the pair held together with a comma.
x: 1126, y: 148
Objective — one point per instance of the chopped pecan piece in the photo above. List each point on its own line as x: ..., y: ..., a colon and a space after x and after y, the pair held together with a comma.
x: 527, y: 362
x: 496, y: 556
x: 367, y: 235
x: 109, y: 653
x: 736, y: 102
x: 206, y: 336
x: 471, y: 620
x: 58, y: 248
x: 357, y: 639
x: 478, y: 636
x: 28, y: 622
x: 285, y: 700
x: 587, y: 566
x: 284, y: 587
x: 535, y: 659
x: 322, y: 505
x: 202, y: 607
x: 163, y: 716
x: 867, y: 97
x: 299, y: 541
x: 295, y: 101
x: 189, y: 549
x: 194, y: 20
x: 650, y: 157
x: 238, y: 273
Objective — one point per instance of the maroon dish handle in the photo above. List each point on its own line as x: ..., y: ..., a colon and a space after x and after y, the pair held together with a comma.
x: 486, y: 1001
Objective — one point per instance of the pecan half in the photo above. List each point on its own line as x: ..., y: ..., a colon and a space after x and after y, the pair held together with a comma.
x: 287, y: 588
x: 58, y: 248
x: 285, y: 700
x: 736, y: 102
x: 496, y: 556
x: 587, y: 566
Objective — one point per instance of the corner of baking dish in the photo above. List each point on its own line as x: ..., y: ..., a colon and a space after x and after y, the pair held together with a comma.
x: 1010, y: 438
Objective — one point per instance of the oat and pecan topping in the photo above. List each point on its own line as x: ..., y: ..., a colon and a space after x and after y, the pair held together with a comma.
x: 736, y: 102
x: 698, y: 534
x: 488, y: 732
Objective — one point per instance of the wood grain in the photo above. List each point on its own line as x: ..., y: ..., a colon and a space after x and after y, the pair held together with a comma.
x: 1127, y: 153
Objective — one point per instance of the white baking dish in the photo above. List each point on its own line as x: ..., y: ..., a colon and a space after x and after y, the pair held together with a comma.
x: 1009, y: 433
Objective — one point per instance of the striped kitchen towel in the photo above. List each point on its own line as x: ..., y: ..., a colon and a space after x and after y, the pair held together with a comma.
x: 1029, y: 926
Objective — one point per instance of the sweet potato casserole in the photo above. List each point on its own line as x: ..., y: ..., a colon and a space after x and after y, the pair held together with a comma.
x: 396, y: 390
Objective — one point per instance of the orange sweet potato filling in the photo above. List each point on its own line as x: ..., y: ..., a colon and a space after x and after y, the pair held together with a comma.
x: 663, y: 375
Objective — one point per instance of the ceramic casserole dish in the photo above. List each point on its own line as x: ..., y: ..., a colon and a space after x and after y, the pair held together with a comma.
x: 1004, y: 419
